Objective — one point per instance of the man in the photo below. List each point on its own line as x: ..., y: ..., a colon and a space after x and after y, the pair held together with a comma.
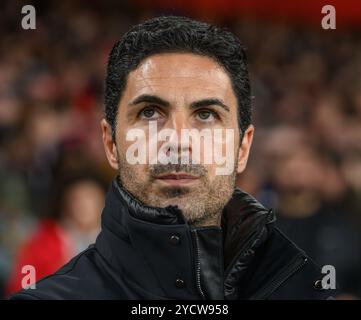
x: 180, y: 229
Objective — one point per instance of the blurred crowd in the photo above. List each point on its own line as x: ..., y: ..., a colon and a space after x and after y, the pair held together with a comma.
x: 305, y: 161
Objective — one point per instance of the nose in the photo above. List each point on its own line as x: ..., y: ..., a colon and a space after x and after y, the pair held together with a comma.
x: 178, y: 122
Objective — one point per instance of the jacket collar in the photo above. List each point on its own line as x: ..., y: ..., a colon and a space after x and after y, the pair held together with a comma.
x: 224, y: 253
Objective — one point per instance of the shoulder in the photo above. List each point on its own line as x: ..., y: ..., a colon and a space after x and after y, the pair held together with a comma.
x: 75, y: 280
x: 300, y: 276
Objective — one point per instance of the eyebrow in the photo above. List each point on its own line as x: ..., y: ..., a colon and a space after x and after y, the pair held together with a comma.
x: 209, y: 102
x: 150, y: 99
x: 147, y: 98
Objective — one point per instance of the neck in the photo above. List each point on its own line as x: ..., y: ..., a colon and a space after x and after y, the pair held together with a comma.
x: 214, y: 220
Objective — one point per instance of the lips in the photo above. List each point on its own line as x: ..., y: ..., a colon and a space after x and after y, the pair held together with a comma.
x: 177, y: 179
x: 176, y: 176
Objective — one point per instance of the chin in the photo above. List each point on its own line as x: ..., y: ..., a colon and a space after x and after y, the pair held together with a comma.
x: 179, y: 202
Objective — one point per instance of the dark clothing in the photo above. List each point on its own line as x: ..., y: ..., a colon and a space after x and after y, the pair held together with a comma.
x: 144, y: 252
x: 331, y: 239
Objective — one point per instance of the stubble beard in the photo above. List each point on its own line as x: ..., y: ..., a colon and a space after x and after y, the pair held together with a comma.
x: 201, y: 204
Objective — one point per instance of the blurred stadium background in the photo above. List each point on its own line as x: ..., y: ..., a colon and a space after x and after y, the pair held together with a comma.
x: 306, y: 156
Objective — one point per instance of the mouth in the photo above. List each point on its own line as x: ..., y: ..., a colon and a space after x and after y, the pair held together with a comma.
x: 177, y: 179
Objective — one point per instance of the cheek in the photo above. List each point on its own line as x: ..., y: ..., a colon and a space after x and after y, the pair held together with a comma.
x: 225, y: 151
x: 211, y: 171
x: 126, y: 166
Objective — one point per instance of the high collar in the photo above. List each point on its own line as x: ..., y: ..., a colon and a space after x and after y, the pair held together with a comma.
x: 224, y: 252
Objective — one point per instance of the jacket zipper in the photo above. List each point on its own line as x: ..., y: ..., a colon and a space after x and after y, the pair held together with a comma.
x: 198, y: 267
x: 291, y: 269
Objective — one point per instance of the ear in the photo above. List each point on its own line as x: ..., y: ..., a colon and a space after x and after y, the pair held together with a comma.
x: 245, y: 148
x: 109, y: 144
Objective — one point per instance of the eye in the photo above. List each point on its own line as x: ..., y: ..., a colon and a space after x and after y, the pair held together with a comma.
x: 206, y: 115
x: 149, y: 113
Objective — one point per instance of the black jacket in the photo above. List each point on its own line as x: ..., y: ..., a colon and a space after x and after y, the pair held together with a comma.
x: 144, y: 252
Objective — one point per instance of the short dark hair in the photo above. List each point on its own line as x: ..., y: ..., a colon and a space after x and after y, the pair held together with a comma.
x: 177, y: 34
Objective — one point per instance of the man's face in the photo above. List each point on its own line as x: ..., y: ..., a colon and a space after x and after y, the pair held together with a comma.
x: 180, y: 92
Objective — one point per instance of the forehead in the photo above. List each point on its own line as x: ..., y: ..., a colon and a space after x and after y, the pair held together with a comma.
x: 180, y: 74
